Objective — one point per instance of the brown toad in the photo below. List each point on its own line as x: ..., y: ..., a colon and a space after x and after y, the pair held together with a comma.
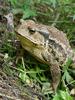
x: 47, y: 44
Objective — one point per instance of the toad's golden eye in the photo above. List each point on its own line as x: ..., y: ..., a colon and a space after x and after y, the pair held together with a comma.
x: 32, y: 31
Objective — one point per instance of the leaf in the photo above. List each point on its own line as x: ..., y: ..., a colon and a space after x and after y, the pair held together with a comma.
x: 54, y: 3
x: 65, y: 95
x: 32, y: 73
x: 68, y: 77
x: 68, y: 63
x: 28, y: 13
x: 43, y: 78
x: 46, y: 88
x: 57, y: 97
x: 62, y: 95
x: 23, y: 77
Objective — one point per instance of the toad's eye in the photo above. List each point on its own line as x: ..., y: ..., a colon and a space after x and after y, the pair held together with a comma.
x: 32, y: 31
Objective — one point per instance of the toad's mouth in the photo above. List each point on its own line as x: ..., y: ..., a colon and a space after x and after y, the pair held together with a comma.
x: 29, y: 41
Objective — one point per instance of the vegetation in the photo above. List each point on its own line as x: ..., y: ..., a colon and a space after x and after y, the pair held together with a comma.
x: 31, y: 73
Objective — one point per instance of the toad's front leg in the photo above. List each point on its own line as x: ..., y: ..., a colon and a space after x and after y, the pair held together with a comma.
x: 54, y: 69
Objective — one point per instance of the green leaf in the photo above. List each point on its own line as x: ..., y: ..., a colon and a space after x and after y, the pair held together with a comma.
x: 57, y: 97
x: 28, y: 13
x: 62, y: 95
x: 43, y: 78
x: 32, y: 73
x: 68, y: 63
x: 68, y: 77
x: 54, y: 3
x: 65, y: 95
x: 46, y: 88
x: 23, y: 77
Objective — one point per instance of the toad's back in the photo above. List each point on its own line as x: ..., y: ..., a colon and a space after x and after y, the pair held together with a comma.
x: 58, y: 36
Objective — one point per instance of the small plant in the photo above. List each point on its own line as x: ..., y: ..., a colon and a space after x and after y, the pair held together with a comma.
x: 66, y: 74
